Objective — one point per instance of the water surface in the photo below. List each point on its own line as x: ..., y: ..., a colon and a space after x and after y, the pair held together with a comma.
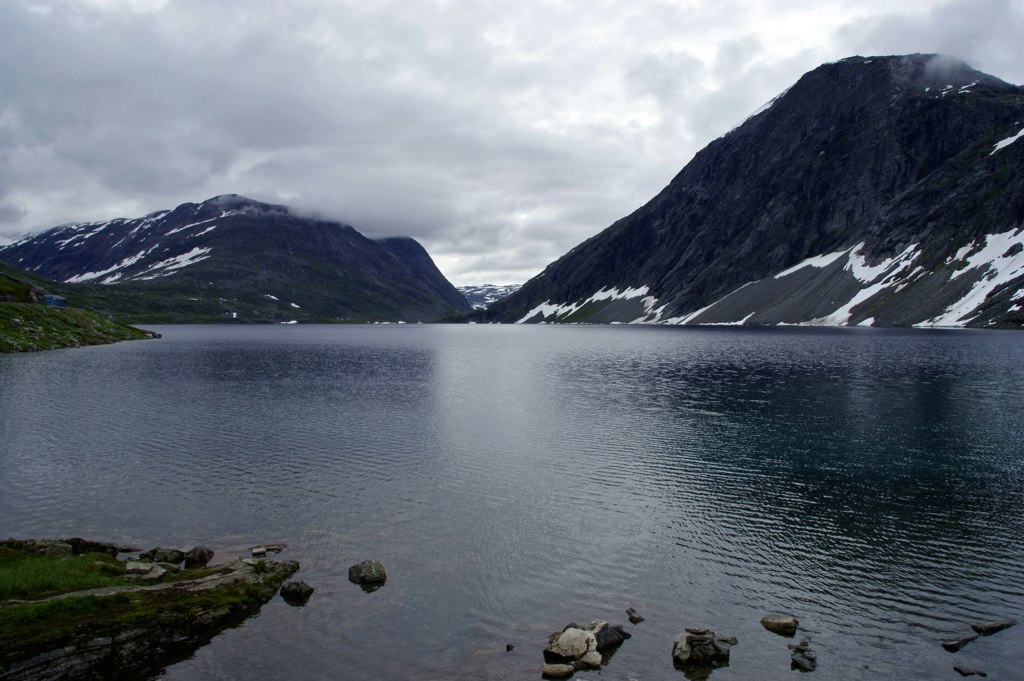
x: 513, y: 479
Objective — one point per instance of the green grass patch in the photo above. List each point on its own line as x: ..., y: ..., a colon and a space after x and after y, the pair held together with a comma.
x: 27, y: 576
x: 50, y: 623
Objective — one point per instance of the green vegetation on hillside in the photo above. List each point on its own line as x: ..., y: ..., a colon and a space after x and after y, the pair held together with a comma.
x: 26, y: 324
x: 25, y: 327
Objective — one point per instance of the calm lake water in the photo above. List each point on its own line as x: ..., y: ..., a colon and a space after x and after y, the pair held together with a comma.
x: 514, y: 479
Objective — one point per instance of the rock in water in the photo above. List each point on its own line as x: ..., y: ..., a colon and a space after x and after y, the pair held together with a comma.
x: 608, y: 635
x: 784, y: 625
x: 988, y: 628
x: 296, y: 593
x: 368, y: 573
x: 634, y: 616
x: 803, y: 658
x: 557, y: 671
x: 569, y: 645
x: 699, y: 647
x: 968, y: 671
x: 954, y: 645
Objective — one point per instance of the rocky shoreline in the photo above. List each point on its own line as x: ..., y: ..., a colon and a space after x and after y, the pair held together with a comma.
x: 698, y: 651
x: 158, y: 613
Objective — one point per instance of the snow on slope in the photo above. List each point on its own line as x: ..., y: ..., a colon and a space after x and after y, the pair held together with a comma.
x: 998, y: 261
x: 1002, y: 257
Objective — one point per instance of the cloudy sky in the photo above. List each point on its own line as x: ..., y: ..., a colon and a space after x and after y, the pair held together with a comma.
x: 498, y: 133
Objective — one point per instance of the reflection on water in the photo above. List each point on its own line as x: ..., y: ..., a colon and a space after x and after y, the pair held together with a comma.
x: 514, y: 479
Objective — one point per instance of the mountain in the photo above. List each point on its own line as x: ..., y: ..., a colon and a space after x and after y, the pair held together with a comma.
x: 232, y: 258
x: 481, y: 296
x: 882, y: 191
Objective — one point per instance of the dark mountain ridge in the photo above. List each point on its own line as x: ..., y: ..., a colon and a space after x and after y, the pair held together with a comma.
x: 232, y: 258
x: 863, y: 159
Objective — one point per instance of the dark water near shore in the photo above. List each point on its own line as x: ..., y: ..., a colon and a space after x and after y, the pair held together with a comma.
x: 514, y: 479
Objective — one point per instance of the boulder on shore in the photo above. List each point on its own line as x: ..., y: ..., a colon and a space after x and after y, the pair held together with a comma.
x: 784, y: 625
x: 162, y: 555
x: 368, y: 573
x: 198, y: 556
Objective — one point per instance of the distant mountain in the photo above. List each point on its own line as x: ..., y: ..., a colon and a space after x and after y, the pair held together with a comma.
x: 885, y: 191
x: 232, y: 258
x: 482, y: 295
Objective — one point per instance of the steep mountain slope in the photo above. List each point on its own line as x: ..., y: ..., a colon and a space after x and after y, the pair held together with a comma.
x: 231, y: 258
x: 879, y: 190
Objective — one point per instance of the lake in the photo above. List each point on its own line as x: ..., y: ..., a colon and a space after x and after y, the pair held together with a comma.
x: 513, y: 479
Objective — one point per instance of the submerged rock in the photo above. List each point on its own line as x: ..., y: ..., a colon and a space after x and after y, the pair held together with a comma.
x: 968, y: 671
x: 953, y: 645
x: 785, y: 625
x: 989, y: 628
x: 700, y: 647
x: 368, y: 573
x: 803, y: 658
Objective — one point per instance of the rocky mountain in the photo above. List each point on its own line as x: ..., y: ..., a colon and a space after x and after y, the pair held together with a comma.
x: 883, y: 191
x: 231, y: 258
x: 481, y: 296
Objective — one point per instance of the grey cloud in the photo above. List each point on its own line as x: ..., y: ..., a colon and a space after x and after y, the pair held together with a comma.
x: 499, y: 133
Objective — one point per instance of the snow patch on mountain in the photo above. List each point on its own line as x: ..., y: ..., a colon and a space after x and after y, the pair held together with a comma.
x: 170, y: 265
x: 1002, y: 144
x: 549, y: 309
x: 817, y: 261
x: 1002, y: 256
x: 889, y: 271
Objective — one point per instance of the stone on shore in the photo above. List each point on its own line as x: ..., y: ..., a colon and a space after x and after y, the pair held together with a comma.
x: 784, y: 625
x: 700, y: 647
x: 368, y: 573
x: 49, y: 547
x: 136, y: 567
x: 162, y: 555
x: 198, y: 556
x: 989, y: 628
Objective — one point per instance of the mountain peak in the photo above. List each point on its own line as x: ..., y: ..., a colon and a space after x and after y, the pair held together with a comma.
x: 864, y: 162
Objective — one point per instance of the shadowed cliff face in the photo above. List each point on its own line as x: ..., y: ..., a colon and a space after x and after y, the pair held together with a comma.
x: 863, y: 158
x: 233, y: 259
